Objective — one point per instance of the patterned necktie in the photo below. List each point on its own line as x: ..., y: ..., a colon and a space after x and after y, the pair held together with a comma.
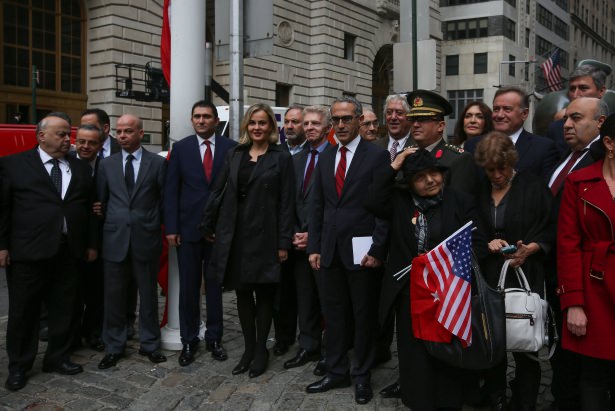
x: 207, y: 161
x: 561, y: 177
x: 393, y: 150
x: 310, y: 170
x: 129, y: 174
x: 340, y: 173
x: 101, y: 153
x: 56, y: 175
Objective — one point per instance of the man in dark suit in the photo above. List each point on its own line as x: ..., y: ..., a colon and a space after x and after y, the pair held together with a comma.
x: 46, y: 225
x: 316, y: 125
x: 369, y: 126
x: 587, y: 80
x: 396, y: 109
x: 100, y: 119
x: 285, y: 310
x: 130, y: 186
x: 195, y: 163
x: 510, y: 110
x: 339, y: 233
x: 582, y: 120
x: 89, y: 310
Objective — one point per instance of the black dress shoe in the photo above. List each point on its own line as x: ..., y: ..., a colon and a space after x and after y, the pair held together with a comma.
x: 391, y: 391
x: 363, y: 393
x: 321, y: 368
x: 259, y: 365
x: 109, y: 360
x: 328, y: 383
x: 188, y: 354
x: 65, y: 367
x: 16, y: 381
x: 302, y: 358
x: 280, y: 348
x: 217, y: 350
x: 154, y: 356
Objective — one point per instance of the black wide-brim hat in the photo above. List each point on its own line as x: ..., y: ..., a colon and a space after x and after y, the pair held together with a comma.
x: 422, y: 160
x: 425, y: 103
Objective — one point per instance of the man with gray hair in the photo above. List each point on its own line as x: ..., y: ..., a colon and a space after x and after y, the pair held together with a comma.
x: 587, y: 80
x: 293, y: 129
x: 396, y: 109
x: 316, y: 124
x: 347, y: 242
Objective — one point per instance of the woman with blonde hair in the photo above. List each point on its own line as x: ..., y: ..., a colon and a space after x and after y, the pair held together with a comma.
x: 249, y: 218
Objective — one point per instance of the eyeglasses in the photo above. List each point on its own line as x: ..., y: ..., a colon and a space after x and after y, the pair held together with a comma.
x: 344, y: 119
x: 369, y: 123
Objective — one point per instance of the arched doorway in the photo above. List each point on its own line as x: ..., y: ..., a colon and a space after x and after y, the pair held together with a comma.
x: 382, y: 81
x: 49, y: 35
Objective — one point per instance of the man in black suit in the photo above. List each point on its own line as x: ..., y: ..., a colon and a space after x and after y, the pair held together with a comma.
x: 285, y: 310
x: 99, y: 118
x: 339, y: 233
x: 89, y: 311
x: 195, y: 163
x: 582, y: 120
x: 510, y: 110
x: 587, y: 80
x: 396, y: 108
x: 316, y: 125
x: 46, y: 226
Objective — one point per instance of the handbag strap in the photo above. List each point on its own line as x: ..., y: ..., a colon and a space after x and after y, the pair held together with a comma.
x: 520, y: 277
x: 553, y: 343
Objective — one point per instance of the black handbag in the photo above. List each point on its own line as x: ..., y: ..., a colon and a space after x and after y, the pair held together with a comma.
x: 488, y: 346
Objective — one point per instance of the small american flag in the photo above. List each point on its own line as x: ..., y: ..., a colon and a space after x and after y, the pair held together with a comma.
x: 553, y: 71
x: 450, y: 264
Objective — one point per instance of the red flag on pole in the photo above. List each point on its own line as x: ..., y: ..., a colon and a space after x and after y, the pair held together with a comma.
x: 165, y: 41
x: 440, y: 290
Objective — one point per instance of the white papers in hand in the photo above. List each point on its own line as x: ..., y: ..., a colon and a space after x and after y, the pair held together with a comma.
x: 360, y: 247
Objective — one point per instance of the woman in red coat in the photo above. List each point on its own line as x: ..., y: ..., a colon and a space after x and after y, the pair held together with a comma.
x: 586, y: 272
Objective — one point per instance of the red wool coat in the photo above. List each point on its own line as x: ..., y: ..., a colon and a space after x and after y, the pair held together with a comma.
x: 586, y: 260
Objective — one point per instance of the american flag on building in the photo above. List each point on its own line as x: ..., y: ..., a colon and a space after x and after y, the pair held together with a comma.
x: 552, y: 70
x: 444, y: 275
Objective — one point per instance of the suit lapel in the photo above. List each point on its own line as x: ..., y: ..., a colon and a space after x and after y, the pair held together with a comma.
x: 34, y: 159
x: 194, y: 157
x: 355, y: 165
x: 218, y: 158
x: 523, y: 145
x: 146, y: 161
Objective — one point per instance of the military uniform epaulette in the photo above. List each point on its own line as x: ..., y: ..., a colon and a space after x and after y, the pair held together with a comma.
x: 454, y: 149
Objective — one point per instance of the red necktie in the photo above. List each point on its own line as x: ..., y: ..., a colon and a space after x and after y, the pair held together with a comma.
x: 310, y: 169
x: 561, y: 177
x: 207, y: 161
x: 340, y: 173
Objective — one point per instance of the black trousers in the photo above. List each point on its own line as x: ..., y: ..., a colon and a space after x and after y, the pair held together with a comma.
x: 52, y: 281
x: 308, y: 304
x: 350, y: 311
x: 596, y: 384
x: 285, y: 308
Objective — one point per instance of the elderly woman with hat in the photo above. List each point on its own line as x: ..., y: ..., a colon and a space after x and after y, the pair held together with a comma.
x: 422, y: 213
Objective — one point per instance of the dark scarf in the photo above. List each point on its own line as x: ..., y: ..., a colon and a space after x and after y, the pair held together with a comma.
x: 421, y: 229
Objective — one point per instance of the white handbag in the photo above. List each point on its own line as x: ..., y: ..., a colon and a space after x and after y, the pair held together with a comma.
x: 527, y: 315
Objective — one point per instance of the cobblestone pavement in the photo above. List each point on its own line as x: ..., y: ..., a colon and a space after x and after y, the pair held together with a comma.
x: 137, y: 384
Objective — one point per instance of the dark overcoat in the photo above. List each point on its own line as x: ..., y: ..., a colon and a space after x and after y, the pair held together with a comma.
x: 267, y: 223
x: 426, y: 383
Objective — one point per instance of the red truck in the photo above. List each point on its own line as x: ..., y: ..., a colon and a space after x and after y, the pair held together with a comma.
x: 15, y: 138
